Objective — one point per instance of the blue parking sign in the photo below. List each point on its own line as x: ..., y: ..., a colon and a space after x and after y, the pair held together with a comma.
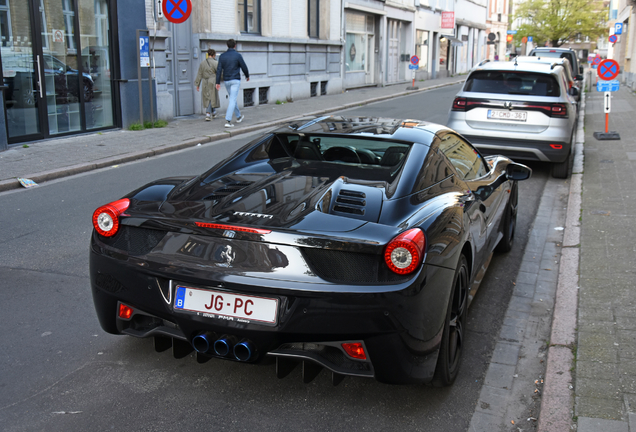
x: 618, y: 28
x: 529, y: 38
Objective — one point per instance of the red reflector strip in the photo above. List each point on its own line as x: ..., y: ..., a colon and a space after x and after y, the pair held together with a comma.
x: 355, y: 350
x: 232, y: 228
x: 125, y: 312
x: 556, y: 146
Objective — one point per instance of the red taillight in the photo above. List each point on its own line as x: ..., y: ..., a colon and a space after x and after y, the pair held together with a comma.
x: 355, y: 350
x: 559, y: 110
x: 125, y: 312
x: 232, y: 228
x: 459, y: 104
x: 405, y: 252
x: 106, y: 218
x: 556, y: 146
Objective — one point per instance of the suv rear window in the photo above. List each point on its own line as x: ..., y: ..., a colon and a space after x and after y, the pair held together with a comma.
x: 514, y: 83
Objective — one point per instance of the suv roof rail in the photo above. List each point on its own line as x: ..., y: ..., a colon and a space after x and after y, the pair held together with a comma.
x: 483, y: 62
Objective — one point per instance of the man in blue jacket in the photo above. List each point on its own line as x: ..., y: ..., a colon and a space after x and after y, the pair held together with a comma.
x: 230, y: 65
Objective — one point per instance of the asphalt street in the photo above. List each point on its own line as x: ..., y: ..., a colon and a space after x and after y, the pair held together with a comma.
x: 60, y: 371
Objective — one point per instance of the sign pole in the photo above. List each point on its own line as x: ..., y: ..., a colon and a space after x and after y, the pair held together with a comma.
x: 141, y: 102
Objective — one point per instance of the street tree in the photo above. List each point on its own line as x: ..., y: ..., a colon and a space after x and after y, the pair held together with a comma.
x: 558, y: 21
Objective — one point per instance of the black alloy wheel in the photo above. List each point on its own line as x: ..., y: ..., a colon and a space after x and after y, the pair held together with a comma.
x: 452, y: 345
x: 509, y: 221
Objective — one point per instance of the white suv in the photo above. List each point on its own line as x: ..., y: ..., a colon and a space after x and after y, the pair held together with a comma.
x: 523, y: 110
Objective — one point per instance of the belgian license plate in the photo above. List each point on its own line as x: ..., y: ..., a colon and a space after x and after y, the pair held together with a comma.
x: 225, y: 305
x: 508, y: 115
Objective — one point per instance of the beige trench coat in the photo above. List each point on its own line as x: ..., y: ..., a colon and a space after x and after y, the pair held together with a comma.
x: 207, y: 78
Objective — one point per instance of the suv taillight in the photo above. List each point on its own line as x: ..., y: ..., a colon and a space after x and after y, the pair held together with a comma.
x: 459, y: 104
x: 558, y: 110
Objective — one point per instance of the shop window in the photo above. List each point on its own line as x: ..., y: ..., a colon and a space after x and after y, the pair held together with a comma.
x: 249, y: 16
x: 313, y: 18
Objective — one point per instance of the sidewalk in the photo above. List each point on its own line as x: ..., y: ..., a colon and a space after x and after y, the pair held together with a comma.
x: 55, y: 158
x: 605, y: 383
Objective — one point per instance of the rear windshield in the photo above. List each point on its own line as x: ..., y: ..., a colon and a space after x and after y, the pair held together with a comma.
x: 343, y: 150
x: 513, y: 83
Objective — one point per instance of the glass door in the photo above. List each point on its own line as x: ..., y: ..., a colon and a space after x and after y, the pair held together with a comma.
x: 63, y: 75
x: 20, y: 73
x: 56, y: 62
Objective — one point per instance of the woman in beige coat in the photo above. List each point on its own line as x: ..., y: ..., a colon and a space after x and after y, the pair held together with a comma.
x: 207, y: 77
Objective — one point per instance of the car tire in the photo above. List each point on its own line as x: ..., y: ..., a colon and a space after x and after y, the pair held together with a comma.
x: 509, y: 221
x: 451, y: 348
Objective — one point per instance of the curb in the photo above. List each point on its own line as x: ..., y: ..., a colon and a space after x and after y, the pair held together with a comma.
x: 558, y: 395
x: 43, y: 176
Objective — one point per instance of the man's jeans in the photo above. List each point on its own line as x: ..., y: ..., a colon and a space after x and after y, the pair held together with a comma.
x: 232, y: 88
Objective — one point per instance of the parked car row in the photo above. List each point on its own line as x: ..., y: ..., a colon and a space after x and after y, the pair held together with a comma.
x: 525, y: 109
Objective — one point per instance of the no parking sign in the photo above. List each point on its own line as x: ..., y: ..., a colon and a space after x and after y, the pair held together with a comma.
x: 177, y: 11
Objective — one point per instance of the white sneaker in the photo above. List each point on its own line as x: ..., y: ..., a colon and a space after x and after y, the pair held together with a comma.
x: 207, y: 117
x: 240, y: 119
x: 228, y: 124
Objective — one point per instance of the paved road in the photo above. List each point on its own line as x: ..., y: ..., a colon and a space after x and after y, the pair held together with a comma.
x: 60, y: 371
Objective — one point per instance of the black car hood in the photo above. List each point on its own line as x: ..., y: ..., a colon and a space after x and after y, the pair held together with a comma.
x: 280, y: 200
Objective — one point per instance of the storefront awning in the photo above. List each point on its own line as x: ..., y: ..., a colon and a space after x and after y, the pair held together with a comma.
x: 453, y: 40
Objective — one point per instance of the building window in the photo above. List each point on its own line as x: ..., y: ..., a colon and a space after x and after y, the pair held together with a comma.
x: 249, y: 16
x: 69, y: 24
x: 248, y: 97
x: 6, y: 37
x: 421, y: 49
x: 313, y: 20
x: 360, y: 29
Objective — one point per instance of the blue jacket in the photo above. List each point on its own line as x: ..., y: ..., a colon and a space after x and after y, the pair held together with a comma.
x: 230, y: 65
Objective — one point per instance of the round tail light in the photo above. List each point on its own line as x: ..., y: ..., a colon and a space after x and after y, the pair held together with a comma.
x: 106, y: 218
x: 405, y: 252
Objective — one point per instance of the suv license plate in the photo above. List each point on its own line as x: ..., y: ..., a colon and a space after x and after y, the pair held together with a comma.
x: 225, y: 305
x: 508, y: 115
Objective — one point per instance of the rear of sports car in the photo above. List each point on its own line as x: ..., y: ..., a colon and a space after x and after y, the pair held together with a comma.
x: 299, y: 268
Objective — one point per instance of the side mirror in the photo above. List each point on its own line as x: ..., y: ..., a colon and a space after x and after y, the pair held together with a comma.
x: 581, y: 70
x: 579, y: 77
x: 515, y: 171
x: 574, y: 91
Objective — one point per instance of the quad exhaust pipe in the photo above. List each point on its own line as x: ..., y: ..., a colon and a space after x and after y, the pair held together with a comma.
x: 207, y: 343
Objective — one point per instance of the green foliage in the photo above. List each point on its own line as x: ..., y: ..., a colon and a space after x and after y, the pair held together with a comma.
x: 25, y: 146
x: 148, y: 125
x: 558, y: 21
x: 279, y: 102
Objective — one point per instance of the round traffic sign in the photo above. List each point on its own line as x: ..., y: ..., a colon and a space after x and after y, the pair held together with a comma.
x: 509, y: 38
x: 415, y: 60
x: 524, y: 39
x: 608, y: 70
x: 596, y: 60
x: 177, y: 11
x: 613, y: 38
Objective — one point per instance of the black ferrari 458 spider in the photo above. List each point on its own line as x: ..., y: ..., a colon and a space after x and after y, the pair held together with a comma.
x: 349, y: 244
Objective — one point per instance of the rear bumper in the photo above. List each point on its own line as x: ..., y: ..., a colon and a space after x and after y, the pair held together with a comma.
x: 531, y: 150
x: 401, y: 329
